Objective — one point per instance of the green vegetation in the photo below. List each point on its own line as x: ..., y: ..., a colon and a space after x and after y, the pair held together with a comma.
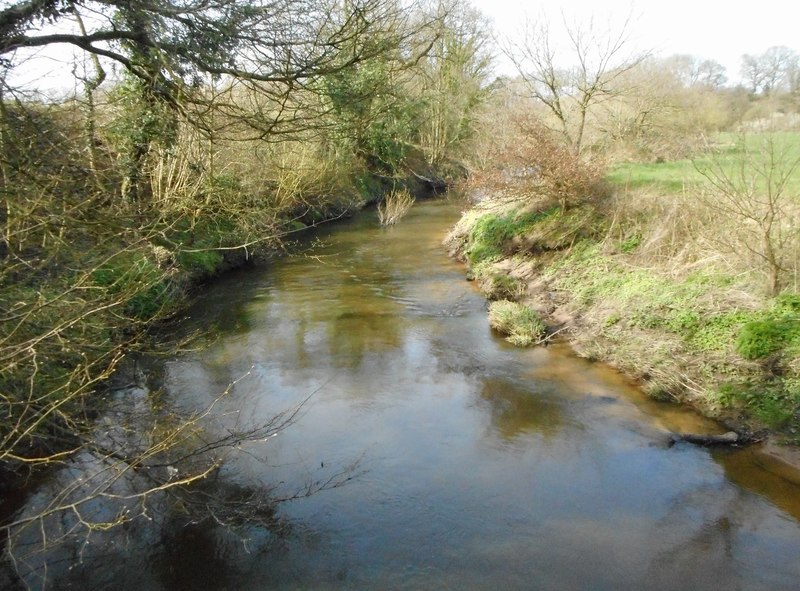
x: 491, y: 234
x: 500, y: 286
x: 521, y: 325
x: 668, y: 177
x: 774, y: 329
x: 727, y: 152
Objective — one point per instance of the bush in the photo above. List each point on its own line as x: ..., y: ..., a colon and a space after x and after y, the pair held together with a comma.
x: 760, y: 338
x: 555, y: 170
x: 773, y: 330
x: 521, y: 325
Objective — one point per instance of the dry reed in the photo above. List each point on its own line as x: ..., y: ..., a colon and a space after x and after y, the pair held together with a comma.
x: 394, y: 206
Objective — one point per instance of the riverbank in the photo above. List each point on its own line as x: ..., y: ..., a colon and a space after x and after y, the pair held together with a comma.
x: 699, y: 337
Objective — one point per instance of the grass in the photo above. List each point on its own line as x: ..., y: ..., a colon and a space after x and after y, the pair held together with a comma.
x: 756, y: 346
x: 727, y: 150
x: 489, y: 236
x: 520, y: 325
x: 670, y: 177
x: 692, y: 309
x: 690, y: 336
x: 497, y: 285
x: 546, y: 227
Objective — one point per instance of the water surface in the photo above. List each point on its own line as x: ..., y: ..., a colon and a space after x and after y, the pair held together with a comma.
x: 479, y: 465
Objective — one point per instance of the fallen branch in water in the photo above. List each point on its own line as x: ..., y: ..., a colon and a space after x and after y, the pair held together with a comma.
x: 546, y: 339
x: 729, y: 438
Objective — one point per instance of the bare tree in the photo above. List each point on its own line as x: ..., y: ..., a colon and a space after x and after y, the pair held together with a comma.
x: 570, y: 92
x: 696, y: 72
x: 773, y: 70
x: 753, y: 195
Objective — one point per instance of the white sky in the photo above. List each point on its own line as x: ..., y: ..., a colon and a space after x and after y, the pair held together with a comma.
x: 721, y: 31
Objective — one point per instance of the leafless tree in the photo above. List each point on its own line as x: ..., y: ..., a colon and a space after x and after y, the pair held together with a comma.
x: 695, y: 72
x: 753, y: 195
x: 571, y: 86
x: 773, y: 70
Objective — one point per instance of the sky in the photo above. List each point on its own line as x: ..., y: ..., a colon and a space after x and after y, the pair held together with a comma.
x: 722, y: 31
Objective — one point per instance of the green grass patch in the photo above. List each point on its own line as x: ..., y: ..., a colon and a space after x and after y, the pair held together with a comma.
x: 773, y: 330
x: 489, y: 235
x: 774, y: 402
x: 716, y: 336
x: 669, y: 177
x: 500, y: 286
x: 649, y: 301
x: 521, y: 325
x: 728, y: 151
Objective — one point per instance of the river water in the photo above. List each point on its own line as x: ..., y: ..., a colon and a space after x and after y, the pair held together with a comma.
x: 478, y: 465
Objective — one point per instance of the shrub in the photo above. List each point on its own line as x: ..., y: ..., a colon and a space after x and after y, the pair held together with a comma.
x: 555, y: 169
x: 759, y: 338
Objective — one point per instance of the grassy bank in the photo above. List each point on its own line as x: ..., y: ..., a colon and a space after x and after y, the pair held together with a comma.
x: 662, y: 277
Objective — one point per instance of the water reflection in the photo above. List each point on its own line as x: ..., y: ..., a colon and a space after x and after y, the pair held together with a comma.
x: 756, y: 471
x: 183, y: 571
x: 518, y: 409
x: 485, y: 465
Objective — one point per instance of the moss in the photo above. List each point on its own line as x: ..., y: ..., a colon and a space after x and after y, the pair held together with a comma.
x: 200, y: 262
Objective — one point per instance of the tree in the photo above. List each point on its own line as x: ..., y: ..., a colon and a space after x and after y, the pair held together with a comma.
x: 271, y: 49
x: 571, y: 92
x: 753, y: 195
x: 695, y: 72
x: 82, y: 275
x: 773, y: 70
x: 453, y: 82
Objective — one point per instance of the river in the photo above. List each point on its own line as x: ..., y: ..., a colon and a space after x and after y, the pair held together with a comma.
x: 474, y: 464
